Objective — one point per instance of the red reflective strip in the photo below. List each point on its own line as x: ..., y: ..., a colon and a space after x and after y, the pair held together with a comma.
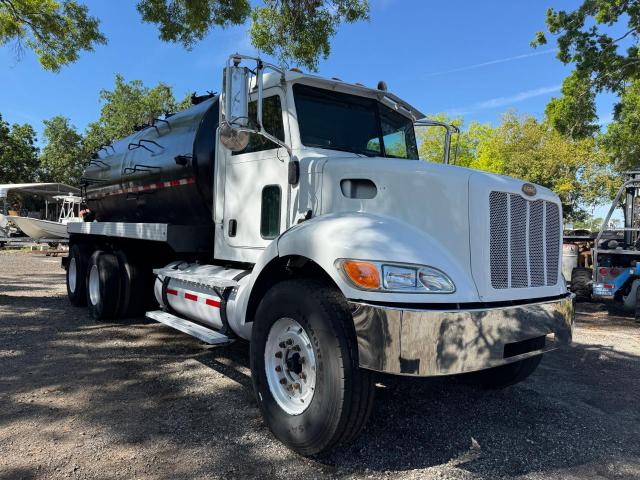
x: 213, y: 303
x: 171, y: 291
x: 151, y: 186
x: 191, y: 296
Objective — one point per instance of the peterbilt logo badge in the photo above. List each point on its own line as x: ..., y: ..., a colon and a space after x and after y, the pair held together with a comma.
x: 529, y: 189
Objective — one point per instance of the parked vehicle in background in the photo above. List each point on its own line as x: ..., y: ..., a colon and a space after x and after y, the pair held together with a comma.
x: 615, y: 252
x: 293, y: 211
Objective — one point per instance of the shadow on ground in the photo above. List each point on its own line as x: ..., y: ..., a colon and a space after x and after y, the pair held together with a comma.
x: 181, y: 410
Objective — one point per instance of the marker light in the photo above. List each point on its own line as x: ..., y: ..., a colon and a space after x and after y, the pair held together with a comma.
x: 362, y: 274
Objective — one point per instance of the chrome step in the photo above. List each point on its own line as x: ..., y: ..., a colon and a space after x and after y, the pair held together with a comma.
x: 207, y: 335
x: 197, y: 279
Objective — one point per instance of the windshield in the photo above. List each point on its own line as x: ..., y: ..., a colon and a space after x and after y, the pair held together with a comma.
x: 349, y: 123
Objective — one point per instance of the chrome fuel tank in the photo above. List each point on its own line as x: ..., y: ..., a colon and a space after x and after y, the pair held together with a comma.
x: 160, y: 174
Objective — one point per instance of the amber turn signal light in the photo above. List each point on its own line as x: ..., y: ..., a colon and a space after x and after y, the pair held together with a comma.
x: 362, y: 274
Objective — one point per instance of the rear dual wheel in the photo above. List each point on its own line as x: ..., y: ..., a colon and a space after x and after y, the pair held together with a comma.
x: 76, y: 275
x: 103, y: 285
x: 110, y: 284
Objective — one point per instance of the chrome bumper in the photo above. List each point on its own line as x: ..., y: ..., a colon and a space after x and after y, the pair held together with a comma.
x: 439, y: 342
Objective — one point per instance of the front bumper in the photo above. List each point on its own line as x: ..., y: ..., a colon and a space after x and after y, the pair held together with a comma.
x: 446, y: 342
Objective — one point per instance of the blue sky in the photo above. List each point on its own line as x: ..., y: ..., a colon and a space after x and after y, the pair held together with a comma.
x: 467, y: 58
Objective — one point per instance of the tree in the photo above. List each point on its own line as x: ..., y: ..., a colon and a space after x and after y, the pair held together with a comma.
x: 300, y: 30
x: 601, y: 38
x: 128, y: 105
x: 56, y: 31
x: 63, y: 157
x: 18, y: 153
x: 622, y: 139
x: 291, y: 30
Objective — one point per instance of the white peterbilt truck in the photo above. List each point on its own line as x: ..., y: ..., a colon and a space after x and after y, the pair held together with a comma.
x: 293, y: 211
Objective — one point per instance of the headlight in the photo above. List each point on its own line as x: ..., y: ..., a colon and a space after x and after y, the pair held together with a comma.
x: 393, y: 277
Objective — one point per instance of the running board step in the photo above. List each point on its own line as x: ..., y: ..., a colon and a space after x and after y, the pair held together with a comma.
x: 207, y: 335
x: 197, y: 279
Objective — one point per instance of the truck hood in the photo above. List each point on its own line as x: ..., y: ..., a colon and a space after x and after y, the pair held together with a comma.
x: 445, y: 213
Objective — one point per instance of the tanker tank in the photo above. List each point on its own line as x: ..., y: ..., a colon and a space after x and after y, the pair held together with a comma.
x: 160, y: 174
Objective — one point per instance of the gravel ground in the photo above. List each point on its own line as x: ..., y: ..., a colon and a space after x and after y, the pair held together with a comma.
x: 80, y: 399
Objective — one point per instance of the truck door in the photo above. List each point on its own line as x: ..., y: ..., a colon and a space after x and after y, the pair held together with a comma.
x: 255, y: 191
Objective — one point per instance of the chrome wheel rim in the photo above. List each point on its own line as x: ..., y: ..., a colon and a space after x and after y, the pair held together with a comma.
x: 290, y: 365
x: 72, y: 275
x: 94, y: 285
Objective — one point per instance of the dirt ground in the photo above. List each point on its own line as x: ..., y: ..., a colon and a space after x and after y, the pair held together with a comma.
x: 81, y: 399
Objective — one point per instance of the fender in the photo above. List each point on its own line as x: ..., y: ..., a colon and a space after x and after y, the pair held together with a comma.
x: 363, y: 236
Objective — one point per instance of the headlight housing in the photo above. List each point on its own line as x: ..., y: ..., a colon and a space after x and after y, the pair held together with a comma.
x: 394, y: 277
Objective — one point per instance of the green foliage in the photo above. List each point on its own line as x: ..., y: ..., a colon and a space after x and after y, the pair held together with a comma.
x: 292, y: 30
x: 188, y: 21
x: 128, y: 105
x: 300, y: 30
x: 622, y: 139
x: 574, y: 114
x: 430, y: 140
x: 63, y: 157
x: 18, y: 153
x: 57, y: 31
x: 603, y: 61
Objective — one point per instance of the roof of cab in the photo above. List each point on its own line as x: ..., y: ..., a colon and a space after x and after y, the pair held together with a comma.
x: 391, y: 100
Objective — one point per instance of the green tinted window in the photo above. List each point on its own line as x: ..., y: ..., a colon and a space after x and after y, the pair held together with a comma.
x: 270, y: 212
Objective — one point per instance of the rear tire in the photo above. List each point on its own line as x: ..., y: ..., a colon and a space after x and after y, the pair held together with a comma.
x: 133, y: 292
x: 103, y: 285
x: 581, y: 279
x: 343, y: 393
x: 76, y: 275
x: 506, y: 375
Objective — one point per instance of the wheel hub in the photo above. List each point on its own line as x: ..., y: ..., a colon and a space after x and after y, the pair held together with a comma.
x: 290, y: 365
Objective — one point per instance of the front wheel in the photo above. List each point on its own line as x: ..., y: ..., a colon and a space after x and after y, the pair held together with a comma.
x: 304, y: 366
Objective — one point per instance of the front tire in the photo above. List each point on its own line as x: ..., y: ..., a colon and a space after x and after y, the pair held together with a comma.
x: 308, y: 319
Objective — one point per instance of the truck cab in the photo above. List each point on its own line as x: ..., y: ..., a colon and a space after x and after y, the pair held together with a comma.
x: 336, y: 251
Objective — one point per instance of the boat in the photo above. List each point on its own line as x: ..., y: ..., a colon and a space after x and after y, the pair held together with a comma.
x: 42, y: 229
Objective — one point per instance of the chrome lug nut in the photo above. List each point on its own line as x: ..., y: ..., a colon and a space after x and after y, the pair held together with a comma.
x: 278, y: 354
x: 282, y: 345
x: 278, y: 368
x: 283, y: 381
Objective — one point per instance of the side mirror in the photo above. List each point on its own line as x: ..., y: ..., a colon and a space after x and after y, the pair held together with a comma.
x: 235, y: 101
x: 236, y: 96
x: 237, y: 84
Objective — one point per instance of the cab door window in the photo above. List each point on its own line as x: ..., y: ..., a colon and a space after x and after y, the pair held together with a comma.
x: 272, y: 122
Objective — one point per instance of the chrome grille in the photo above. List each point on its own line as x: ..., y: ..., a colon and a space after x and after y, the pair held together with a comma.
x: 524, y: 241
